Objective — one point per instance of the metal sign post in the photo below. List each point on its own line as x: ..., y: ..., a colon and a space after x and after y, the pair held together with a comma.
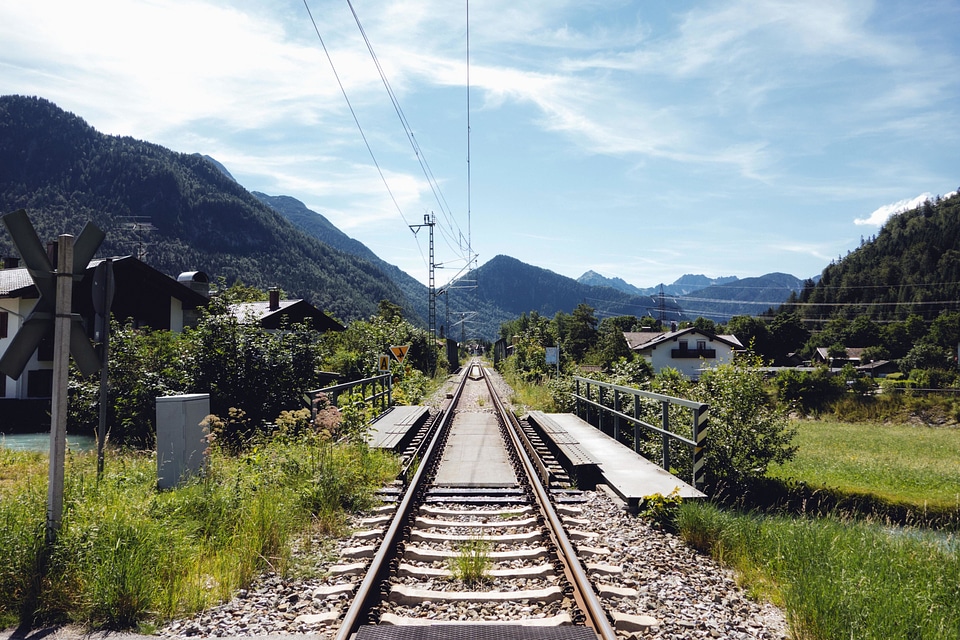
x: 53, y: 311
x: 103, y: 290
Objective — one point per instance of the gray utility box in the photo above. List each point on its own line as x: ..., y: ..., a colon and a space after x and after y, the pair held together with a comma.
x: 181, y: 441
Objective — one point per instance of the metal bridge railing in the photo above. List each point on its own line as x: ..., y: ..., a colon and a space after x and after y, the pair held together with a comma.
x: 601, y: 404
x: 380, y: 396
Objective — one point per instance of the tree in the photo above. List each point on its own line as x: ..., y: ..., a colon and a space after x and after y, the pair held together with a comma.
x: 746, y: 432
x: 926, y: 356
x: 582, y: 331
x: 787, y: 334
x: 705, y: 325
x: 945, y: 330
x: 751, y: 331
x: 611, y: 345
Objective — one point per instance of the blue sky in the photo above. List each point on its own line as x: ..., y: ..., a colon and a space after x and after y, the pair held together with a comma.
x: 642, y: 140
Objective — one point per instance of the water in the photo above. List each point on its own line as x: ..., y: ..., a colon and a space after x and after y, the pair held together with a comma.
x: 41, y: 442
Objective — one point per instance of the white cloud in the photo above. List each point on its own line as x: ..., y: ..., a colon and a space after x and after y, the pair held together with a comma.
x: 882, y: 214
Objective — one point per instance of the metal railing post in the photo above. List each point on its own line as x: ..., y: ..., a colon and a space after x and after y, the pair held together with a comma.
x: 616, y: 418
x: 576, y: 398
x: 600, y: 413
x: 665, y: 424
x: 700, y: 437
x: 636, y: 425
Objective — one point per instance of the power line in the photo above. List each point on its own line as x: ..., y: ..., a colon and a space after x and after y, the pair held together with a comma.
x: 354, y: 113
x: 454, y: 237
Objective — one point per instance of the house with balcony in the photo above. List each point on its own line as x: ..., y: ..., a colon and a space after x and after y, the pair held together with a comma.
x: 689, y: 350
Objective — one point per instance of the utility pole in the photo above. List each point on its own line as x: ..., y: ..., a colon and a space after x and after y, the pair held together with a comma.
x: 429, y: 221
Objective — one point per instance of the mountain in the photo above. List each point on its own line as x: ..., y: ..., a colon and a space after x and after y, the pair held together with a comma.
x: 684, y: 285
x: 912, y: 266
x: 507, y: 288
x: 743, y: 297
x: 318, y: 226
x: 178, y: 208
x: 594, y: 279
x: 690, y: 282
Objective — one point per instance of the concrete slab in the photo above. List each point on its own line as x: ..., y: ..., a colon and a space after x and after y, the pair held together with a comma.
x: 395, y: 428
x: 632, y: 476
x: 475, y: 455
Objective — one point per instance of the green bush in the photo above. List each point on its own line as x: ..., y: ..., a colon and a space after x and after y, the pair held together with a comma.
x: 809, y: 391
x: 746, y: 432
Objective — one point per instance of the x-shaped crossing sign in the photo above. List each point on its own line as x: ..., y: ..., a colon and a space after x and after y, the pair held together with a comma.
x: 40, y: 320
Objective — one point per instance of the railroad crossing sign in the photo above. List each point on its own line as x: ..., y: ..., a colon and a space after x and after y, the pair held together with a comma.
x: 40, y: 321
x: 400, y: 352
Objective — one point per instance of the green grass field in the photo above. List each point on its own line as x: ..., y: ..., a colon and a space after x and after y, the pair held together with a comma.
x: 843, y: 575
x: 900, y: 464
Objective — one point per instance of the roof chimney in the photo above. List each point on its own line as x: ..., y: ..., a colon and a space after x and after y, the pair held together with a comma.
x: 11, y: 262
x: 274, y: 299
x: 197, y: 281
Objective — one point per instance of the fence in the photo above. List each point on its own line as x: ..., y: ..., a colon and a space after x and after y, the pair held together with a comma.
x: 601, y: 404
x: 380, y: 396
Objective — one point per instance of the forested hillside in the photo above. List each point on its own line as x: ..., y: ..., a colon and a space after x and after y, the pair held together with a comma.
x: 316, y: 225
x: 912, y: 266
x: 65, y: 173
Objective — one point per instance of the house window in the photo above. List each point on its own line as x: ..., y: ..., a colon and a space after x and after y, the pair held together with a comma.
x: 683, y: 345
x: 3, y: 323
x: 701, y: 345
x: 40, y: 383
x: 45, y: 348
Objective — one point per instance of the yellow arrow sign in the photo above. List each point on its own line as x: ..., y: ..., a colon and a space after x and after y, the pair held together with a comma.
x: 400, y: 352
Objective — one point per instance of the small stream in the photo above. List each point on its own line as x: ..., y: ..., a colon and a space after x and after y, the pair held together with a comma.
x: 41, y: 442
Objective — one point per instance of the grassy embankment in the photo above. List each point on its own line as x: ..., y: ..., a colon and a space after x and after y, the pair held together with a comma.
x: 129, y: 555
x: 846, y: 572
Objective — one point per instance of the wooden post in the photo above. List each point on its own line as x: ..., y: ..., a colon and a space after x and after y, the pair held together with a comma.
x: 61, y: 361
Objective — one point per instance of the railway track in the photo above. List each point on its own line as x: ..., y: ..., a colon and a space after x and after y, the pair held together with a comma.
x: 474, y: 546
x: 393, y: 579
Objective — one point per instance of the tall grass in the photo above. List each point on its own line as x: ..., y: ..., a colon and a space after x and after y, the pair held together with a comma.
x: 529, y: 395
x: 472, y: 561
x: 127, y: 554
x: 838, y: 579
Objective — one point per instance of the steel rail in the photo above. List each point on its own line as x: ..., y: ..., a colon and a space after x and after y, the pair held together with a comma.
x: 586, y: 597
x: 376, y: 572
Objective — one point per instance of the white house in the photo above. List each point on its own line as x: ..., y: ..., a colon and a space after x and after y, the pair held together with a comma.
x: 687, y: 350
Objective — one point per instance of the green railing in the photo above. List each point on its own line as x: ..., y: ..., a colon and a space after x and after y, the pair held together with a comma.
x: 601, y: 404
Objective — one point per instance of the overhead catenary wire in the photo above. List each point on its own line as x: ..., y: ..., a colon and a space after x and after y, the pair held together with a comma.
x: 455, y: 234
x: 353, y: 112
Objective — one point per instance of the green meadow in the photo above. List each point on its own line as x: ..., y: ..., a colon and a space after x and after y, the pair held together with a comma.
x: 846, y: 574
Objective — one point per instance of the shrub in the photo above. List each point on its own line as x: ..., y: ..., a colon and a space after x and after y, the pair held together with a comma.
x: 809, y: 391
x: 746, y: 433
